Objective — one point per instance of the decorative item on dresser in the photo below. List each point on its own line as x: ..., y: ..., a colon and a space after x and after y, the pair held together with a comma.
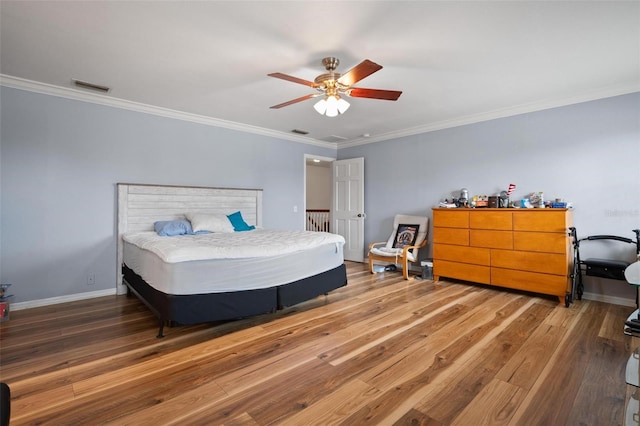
x: 523, y: 249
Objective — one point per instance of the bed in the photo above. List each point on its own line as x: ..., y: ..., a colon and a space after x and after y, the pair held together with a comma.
x: 197, y: 278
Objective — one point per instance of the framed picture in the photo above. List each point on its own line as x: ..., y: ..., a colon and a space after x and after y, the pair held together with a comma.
x: 406, y: 235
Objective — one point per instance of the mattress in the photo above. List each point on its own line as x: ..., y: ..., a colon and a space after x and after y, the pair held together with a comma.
x: 291, y: 261
x: 230, y: 245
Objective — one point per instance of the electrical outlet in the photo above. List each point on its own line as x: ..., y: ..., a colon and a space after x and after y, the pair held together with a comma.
x: 295, y: 209
x: 91, y: 279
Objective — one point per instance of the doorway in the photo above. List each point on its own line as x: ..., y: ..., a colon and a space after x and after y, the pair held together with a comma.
x: 318, y: 191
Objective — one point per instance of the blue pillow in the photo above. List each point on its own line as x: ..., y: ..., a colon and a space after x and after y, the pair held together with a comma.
x: 238, y: 222
x: 170, y: 228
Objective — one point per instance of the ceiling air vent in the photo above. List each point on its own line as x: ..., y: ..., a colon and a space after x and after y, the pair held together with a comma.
x: 87, y: 85
x: 334, y: 138
x: 300, y: 132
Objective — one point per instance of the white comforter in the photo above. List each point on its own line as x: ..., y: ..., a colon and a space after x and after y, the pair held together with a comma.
x: 256, y: 243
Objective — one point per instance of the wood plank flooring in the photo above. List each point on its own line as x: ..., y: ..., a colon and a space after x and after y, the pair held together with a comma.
x: 380, y: 351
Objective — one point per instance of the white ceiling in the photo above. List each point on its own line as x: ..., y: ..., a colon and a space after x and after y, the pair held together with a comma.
x: 456, y: 62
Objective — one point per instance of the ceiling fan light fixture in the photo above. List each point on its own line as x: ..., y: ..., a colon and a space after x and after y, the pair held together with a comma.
x: 331, y: 106
x: 321, y: 106
x: 343, y: 105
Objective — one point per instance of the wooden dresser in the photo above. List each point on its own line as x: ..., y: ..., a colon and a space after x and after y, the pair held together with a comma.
x: 524, y: 249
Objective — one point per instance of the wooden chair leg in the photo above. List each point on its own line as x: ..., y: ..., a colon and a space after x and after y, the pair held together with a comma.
x: 405, y: 269
x: 371, y: 264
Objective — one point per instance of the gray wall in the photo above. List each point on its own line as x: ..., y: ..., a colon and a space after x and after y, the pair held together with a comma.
x: 61, y: 159
x: 586, y: 153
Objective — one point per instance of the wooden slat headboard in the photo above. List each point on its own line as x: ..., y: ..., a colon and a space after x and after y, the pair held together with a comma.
x: 140, y: 205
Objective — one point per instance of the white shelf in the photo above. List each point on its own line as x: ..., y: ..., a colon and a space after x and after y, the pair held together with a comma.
x: 632, y: 412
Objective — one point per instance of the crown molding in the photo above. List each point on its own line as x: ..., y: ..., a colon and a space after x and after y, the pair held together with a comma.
x: 100, y: 99
x: 70, y: 93
x: 593, y: 95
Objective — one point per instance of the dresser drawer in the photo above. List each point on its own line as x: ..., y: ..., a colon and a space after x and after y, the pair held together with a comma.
x: 474, y: 255
x: 491, y: 219
x: 462, y: 271
x: 541, y: 242
x: 545, y: 220
x: 491, y: 239
x: 530, y: 281
x: 450, y: 218
x: 547, y: 263
x: 451, y: 236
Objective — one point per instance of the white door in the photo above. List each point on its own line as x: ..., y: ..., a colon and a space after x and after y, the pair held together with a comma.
x: 347, y: 210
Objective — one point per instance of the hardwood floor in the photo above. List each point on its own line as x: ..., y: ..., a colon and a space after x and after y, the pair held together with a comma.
x: 380, y: 351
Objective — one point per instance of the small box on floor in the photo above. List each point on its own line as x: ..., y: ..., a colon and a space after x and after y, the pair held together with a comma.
x: 427, y: 269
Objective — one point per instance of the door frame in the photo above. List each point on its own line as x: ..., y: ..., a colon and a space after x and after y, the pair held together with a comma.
x: 304, y: 183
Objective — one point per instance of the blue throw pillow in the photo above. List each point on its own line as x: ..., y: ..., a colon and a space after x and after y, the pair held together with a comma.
x: 170, y: 228
x: 238, y: 222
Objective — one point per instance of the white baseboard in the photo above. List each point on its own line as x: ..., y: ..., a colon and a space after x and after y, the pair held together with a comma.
x: 62, y: 299
x: 597, y: 297
x: 623, y: 301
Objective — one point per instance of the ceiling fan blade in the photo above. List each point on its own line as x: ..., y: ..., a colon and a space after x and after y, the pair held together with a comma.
x: 360, y: 71
x: 295, y: 101
x: 293, y: 79
x: 387, y: 95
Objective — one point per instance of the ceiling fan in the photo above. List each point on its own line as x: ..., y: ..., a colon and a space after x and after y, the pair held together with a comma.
x: 331, y: 86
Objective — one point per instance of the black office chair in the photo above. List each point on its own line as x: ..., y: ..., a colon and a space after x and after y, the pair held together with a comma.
x: 5, y: 404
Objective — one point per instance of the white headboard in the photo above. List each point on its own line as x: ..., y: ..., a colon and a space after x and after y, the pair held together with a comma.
x: 140, y: 205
